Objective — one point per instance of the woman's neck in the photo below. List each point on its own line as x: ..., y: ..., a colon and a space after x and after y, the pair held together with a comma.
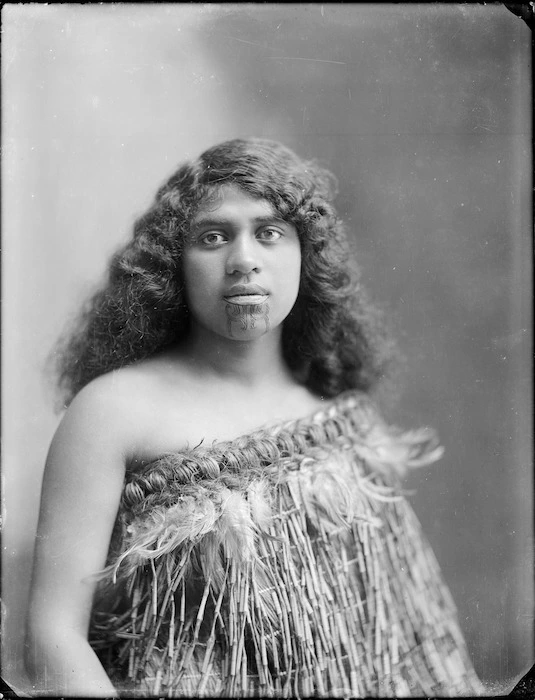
x: 247, y: 363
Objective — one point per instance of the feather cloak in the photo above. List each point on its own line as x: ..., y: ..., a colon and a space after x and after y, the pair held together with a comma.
x: 285, y: 563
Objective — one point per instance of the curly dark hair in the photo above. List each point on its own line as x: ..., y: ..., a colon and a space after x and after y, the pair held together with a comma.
x: 332, y: 339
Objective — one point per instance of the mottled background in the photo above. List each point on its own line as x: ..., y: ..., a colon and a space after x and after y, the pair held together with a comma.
x: 423, y: 112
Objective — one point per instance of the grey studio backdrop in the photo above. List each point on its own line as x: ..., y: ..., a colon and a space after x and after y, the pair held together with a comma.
x: 422, y: 111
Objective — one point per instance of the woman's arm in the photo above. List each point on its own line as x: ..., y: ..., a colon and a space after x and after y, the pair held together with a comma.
x: 81, y: 490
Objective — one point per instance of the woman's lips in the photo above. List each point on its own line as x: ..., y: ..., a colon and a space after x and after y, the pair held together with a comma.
x: 243, y: 294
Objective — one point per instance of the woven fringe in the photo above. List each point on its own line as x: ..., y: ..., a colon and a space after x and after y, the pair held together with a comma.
x: 286, y: 563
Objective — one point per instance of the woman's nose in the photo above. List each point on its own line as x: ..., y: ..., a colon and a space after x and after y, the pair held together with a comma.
x: 243, y: 256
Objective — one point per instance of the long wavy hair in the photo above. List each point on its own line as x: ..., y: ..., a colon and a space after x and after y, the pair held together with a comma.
x: 333, y: 339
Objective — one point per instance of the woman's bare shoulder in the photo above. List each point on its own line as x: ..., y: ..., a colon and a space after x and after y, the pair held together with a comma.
x: 129, y: 409
x: 96, y: 421
x: 122, y: 392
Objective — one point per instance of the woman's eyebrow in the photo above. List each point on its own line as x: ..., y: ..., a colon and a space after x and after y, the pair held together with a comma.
x: 222, y: 221
x: 201, y: 221
x: 269, y: 219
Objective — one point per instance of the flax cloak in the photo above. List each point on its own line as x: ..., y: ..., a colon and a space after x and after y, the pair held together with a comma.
x: 285, y: 563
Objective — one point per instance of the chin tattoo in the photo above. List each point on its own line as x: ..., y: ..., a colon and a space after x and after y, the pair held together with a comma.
x: 242, y: 318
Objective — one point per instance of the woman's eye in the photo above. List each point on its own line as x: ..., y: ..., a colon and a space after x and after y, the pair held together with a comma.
x: 269, y: 234
x: 212, y: 239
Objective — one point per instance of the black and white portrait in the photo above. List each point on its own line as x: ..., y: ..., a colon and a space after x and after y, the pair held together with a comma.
x: 267, y: 321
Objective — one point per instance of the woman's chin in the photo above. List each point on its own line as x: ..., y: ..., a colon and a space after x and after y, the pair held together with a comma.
x: 247, y: 321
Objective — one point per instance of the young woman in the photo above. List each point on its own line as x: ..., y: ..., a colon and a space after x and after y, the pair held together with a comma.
x: 222, y: 511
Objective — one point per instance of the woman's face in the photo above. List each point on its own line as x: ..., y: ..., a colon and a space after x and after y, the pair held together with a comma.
x: 241, y: 266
